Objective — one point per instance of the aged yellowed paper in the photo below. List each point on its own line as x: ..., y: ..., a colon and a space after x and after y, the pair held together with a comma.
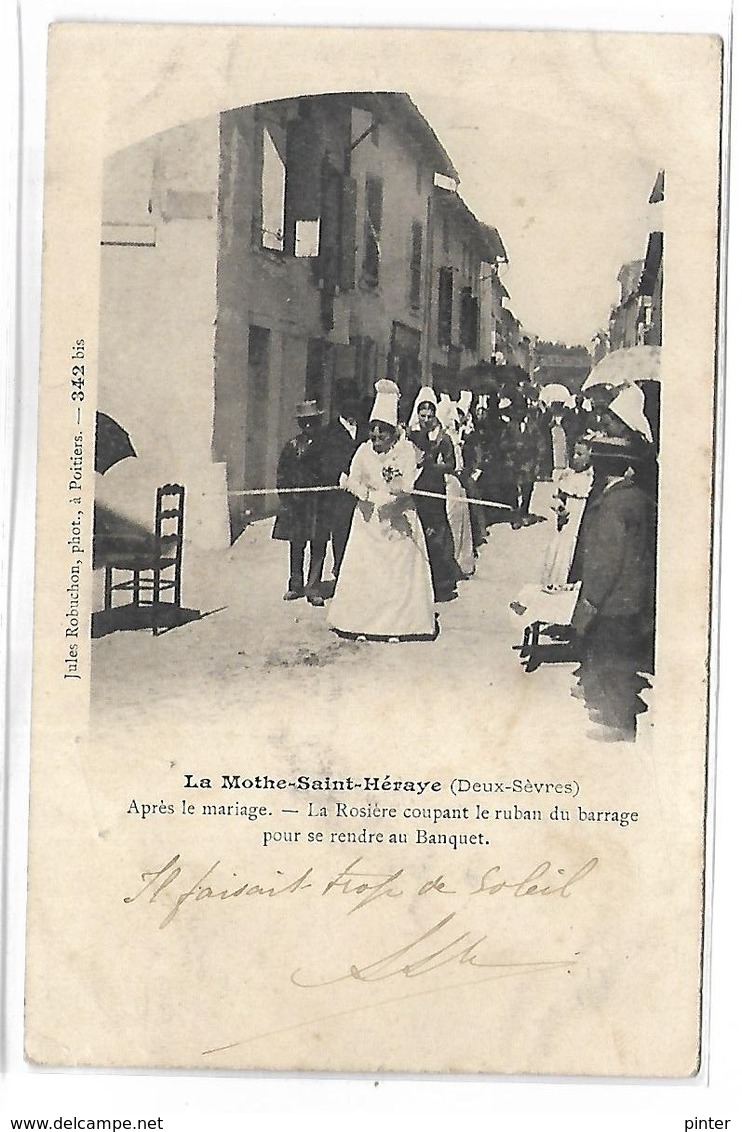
x: 388, y: 775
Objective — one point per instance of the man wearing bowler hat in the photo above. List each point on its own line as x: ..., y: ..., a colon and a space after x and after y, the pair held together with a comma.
x: 299, y: 520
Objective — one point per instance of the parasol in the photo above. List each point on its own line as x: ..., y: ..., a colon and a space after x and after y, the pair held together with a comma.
x: 553, y: 393
x: 634, y: 363
x: 112, y: 443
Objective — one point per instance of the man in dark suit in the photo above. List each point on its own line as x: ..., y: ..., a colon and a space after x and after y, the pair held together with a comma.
x: 613, y: 617
x: 339, y: 442
x: 299, y: 520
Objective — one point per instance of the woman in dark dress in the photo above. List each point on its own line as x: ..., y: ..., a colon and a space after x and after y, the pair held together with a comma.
x: 436, y: 459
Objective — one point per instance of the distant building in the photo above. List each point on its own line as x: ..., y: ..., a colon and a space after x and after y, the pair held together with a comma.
x: 625, y: 316
x: 636, y: 320
x: 500, y: 296
x: 512, y: 346
x: 565, y: 365
x: 650, y: 284
x: 464, y: 254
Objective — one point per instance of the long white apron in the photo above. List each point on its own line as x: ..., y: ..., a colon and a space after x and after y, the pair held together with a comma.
x: 459, y: 520
x: 384, y: 589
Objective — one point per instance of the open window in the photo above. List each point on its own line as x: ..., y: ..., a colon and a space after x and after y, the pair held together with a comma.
x: 306, y: 239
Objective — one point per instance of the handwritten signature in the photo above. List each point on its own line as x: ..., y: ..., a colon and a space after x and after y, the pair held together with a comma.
x: 428, y: 952
x: 417, y: 958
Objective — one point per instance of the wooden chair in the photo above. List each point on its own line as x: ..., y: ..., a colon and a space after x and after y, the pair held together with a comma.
x: 154, y: 571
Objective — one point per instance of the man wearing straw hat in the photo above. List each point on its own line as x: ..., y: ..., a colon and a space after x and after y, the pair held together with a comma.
x: 299, y: 520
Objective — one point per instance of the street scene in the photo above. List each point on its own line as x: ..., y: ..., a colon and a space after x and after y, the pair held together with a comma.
x: 332, y: 456
x: 252, y: 650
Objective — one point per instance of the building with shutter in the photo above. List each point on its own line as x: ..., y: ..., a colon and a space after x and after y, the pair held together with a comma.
x: 636, y: 319
x: 513, y: 347
x: 260, y: 257
x: 465, y: 292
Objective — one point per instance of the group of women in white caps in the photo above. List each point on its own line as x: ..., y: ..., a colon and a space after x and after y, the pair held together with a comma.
x: 405, y: 552
x: 399, y: 509
x: 395, y: 554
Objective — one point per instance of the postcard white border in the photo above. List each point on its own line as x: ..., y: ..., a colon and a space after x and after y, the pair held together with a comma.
x: 32, y: 1092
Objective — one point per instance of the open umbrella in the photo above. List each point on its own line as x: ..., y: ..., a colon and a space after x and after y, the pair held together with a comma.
x: 112, y: 443
x: 634, y: 363
x: 554, y: 393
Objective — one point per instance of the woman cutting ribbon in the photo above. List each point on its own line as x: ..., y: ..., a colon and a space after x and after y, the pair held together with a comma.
x: 384, y: 591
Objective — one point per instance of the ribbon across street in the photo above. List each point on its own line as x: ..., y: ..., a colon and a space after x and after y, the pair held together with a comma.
x: 306, y: 490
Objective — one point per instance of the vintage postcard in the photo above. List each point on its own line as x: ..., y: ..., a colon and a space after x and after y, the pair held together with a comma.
x: 376, y: 449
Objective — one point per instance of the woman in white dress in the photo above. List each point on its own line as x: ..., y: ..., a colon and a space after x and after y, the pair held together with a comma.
x: 571, y: 488
x: 384, y: 591
x: 457, y: 505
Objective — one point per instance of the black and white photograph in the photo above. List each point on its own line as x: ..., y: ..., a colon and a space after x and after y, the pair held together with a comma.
x: 374, y: 525
x: 314, y: 388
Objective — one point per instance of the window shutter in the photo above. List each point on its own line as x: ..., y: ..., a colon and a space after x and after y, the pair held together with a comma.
x: 272, y: 214
x: 469, y: 319
x: 330, y: 235
x: 348, y: 234
x: 303, y: 176
x: 445, y: 305
x: 416, y: 260
x: 375, y: 201
x: 372, y: 230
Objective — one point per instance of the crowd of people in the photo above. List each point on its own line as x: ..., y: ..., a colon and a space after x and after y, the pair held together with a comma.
x: 406, y: 501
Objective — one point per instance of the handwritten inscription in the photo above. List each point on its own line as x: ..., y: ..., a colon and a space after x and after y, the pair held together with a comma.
x: 448, y: 945
x: 354, y: 881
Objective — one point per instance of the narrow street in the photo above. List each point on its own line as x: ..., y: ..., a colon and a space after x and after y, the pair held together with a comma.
x: 255, y: 657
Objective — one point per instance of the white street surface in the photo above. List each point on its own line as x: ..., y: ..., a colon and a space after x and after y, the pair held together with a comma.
x: 258, y: 658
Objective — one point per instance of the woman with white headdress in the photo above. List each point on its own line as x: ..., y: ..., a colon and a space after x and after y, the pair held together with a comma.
x: 384, y: 590
x: 446, y: 522
x: 457, y: 503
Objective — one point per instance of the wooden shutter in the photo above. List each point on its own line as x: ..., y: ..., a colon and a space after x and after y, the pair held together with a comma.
x: 303, y: 177
x: 416, y: 263
x: 445, y: 305
x: 469, y: 326
x: 372, y: 229
x: 348, y: 234
x: 330, y: 234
